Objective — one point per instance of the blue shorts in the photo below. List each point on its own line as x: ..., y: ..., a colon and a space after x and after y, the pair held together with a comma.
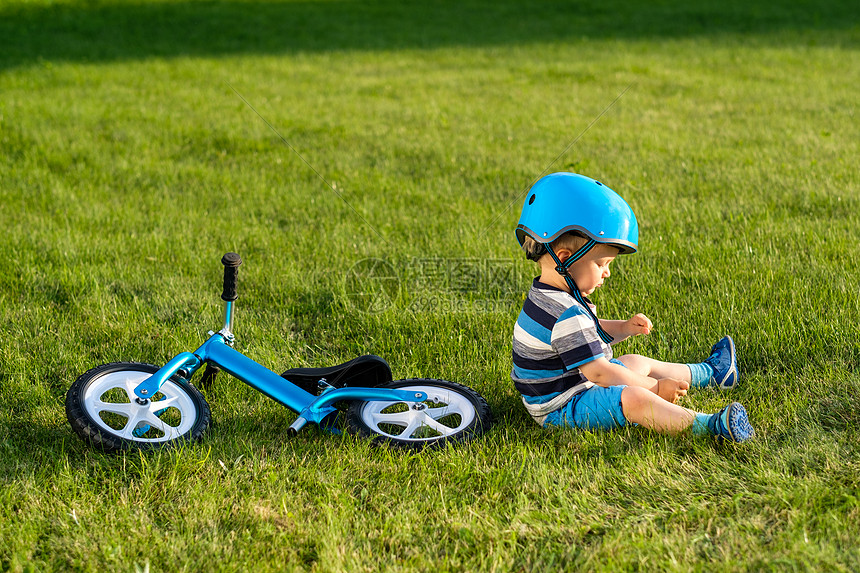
x: 597, y: 408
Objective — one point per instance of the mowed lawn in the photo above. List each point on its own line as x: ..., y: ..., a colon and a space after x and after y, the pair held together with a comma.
x: 129, y: 163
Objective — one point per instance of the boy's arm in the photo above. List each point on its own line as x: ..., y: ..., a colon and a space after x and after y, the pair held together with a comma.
x: 623, y: 329
x: 604, y: 373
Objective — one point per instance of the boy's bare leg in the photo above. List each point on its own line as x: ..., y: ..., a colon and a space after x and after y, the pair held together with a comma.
x: 656, y: 369
x: 643, y: 407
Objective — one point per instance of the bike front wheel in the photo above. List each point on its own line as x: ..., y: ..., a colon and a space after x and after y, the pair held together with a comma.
x: 104, y: 411
x: 451, y: 413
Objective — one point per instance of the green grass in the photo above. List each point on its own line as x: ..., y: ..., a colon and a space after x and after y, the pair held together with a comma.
x: 128, y: 166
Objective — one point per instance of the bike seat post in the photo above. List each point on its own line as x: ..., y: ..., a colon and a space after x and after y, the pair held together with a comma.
x: 231, y: 262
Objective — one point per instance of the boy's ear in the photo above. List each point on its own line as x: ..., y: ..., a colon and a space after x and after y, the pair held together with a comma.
x: 563, y: 254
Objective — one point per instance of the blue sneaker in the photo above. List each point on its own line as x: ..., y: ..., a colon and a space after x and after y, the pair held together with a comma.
x: 732, y: 423
x: 725, y: 364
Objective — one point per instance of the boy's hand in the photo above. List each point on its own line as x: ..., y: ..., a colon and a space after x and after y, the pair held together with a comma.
x: 670, y: 389
x: 638, y: 324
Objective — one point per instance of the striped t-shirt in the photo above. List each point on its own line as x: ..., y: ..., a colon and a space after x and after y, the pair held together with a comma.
x: 553, y: 336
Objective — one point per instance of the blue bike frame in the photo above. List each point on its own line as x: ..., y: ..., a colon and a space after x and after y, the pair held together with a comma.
x: 218, y: 351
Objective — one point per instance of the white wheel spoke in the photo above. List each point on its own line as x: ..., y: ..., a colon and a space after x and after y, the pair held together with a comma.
x: 133, y: 422
x: 130, y: 385
x: 167, y: 402
x: 438, y: 426
x: 397, y: 418
x: 439, y: 412
x: 413, y: 426
x: 466, y: 416
x: 123, y: 409
x: 161, y: 425
x: 150, y: 418
x: 153, y: 420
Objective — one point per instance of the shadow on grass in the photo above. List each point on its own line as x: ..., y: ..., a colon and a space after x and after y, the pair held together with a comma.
x: 114, y: 31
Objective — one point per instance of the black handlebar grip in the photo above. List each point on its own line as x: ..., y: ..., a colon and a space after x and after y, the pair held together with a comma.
x: 231, y: 262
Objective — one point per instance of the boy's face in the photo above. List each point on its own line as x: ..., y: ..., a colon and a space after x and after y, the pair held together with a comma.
x: 590, y: 271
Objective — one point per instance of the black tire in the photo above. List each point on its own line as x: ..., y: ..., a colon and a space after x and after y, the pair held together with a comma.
x: 452, y: 413
x: 101, y: 407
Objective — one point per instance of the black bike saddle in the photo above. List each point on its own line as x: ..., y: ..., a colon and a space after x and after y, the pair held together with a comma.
x: 368, y: 370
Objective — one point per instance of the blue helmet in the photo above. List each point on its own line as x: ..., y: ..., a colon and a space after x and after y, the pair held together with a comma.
x: 563, y: 202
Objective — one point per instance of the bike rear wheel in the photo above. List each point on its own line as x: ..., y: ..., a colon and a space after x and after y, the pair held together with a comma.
x: 452, y: 413
x: 104, y: 411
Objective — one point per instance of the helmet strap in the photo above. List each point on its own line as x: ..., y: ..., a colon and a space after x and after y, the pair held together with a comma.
x: 562, y: 269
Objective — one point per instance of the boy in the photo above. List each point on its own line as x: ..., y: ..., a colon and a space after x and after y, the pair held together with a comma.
x: 574, y: 227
